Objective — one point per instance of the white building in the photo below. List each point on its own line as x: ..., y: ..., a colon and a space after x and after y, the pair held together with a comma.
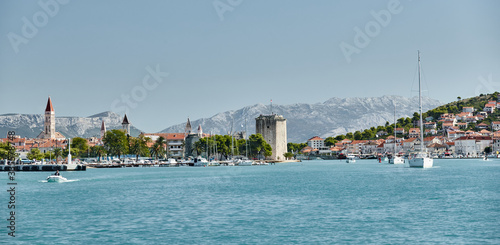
x: 471, y: 146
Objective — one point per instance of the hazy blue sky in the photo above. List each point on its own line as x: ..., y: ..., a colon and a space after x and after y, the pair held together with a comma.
x: 90, y: 56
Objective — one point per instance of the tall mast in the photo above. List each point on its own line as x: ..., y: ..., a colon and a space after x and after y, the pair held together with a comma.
x: 395, y: 130
x: 232, y: 147
x: 420, y: 106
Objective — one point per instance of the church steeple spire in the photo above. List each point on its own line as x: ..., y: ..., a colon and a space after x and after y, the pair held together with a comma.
x: 50, y: 121
x: 49, y: 106
x: 126, y: 125
x: 103, y: 129
x: 188, y: 127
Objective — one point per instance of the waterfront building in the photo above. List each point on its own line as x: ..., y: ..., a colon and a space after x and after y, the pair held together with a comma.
x: 472, y: 146
x: 316, y: 142
x: 174, y: 143
x: 273, y: 129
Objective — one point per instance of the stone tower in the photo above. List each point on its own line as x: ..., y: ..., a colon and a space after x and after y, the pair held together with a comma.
x: 50, y: 122
x: 273, y: 129
x: 103, y: 129
x: 126, y: 125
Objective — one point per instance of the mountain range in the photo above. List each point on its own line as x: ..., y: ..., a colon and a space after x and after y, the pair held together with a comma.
x: 333, y: 117
x: 30, y: 125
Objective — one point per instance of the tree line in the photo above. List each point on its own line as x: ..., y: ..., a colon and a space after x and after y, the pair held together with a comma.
x: 224, y: 146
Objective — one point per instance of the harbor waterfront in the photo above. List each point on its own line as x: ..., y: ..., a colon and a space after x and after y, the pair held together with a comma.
x: 456, y: 201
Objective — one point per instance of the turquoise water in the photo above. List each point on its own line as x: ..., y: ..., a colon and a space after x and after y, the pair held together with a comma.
x: 323, y: 202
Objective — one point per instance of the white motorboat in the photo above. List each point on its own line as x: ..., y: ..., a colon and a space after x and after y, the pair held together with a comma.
x: 213, y: 163
x: 420, y: 159
x: 351, y: 159
x: 171, y: 161
x: 246, y: 162
x: 200, y: 161
x: 56, y: 178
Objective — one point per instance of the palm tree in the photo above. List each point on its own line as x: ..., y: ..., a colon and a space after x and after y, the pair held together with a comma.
x: 163, y: 143
x: 57, y: 154
x: 139, y: 146
x: 98, y: 151
x: 158, y: 149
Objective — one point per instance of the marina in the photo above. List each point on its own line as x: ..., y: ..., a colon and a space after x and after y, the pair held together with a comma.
x: 330, y: 202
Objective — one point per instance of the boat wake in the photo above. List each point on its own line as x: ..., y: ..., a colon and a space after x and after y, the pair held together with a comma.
x: 62, y: 181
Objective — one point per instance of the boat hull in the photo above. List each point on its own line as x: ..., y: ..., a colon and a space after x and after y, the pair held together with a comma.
x: 396, y: 160
x: 245, y: 163
x: 55, y: 178
x: 424, y: 162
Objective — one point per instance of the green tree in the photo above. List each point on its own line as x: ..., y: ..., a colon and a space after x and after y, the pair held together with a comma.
x: 340, y: 137
x: 139, y: 146
x: 81, y: 144
x: 349, y: 136
x: 295, y: 147
x: 97, y: 151
x: 115, y: 142
x: 158, y: 148
x: 288, y: 155
x: 368, y: 134
x: 57, y: 153
x: 259, y: 146
x: 7, y: 151
x: 358, y: 135
x: 329, y: 141
x: 35, y: 154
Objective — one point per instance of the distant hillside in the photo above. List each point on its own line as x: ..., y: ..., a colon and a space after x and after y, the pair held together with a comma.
x: 330, y: 118
x: 30, y: 125
x: 455, y: 107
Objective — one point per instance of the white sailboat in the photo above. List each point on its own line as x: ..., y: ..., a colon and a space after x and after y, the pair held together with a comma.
x: 246, y: 161
x: 395, y: 158
x: 420, y: 159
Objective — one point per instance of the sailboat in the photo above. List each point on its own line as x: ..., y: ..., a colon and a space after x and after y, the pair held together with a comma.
x: 420, y: 159
x: 246, y: 161
x: 395, y: 158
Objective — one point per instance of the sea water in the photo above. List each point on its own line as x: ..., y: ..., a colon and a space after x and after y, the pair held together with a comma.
x: 320, y: 202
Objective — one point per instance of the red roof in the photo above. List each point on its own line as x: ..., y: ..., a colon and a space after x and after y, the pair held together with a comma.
x: 49, y: 105
x: 315, y: 138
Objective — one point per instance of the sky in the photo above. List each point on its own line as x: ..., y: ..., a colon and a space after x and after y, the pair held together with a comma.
x: 164, y: 61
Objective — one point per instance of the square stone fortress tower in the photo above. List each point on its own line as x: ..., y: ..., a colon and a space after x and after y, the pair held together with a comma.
x: 273, y: 129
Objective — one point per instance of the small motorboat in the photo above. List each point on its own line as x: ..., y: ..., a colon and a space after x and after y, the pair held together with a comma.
x: 56, y: 178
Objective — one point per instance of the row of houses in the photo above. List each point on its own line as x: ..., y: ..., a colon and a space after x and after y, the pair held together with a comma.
x: 472, y: 145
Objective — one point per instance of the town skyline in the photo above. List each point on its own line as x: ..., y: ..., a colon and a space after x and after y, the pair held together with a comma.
x: 196, y: 60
